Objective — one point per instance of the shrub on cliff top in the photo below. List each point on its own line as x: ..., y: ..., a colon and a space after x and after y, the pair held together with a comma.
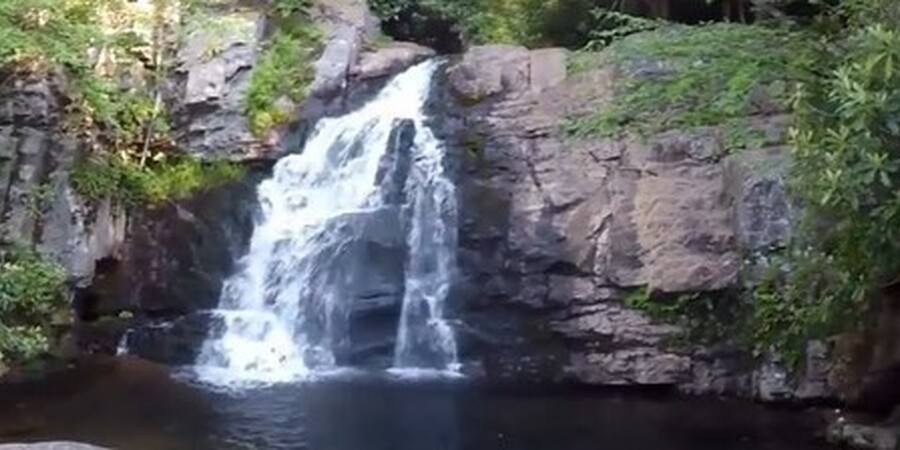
x: 531, y: 23
x: 686, y: 77
x: 32, y: 295
x: 123, y: 180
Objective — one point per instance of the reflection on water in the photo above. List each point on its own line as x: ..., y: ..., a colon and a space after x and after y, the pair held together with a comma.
x: 135, y: 405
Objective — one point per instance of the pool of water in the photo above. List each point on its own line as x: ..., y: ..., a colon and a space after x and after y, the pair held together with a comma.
x: 130, y: 404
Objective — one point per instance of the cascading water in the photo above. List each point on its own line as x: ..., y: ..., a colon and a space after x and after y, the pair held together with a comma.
x: 285, y: 313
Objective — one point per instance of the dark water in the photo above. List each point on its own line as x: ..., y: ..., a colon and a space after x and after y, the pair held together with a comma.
x: 135, y: 405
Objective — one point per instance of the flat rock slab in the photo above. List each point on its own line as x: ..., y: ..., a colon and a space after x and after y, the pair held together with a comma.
x: 59, y: 445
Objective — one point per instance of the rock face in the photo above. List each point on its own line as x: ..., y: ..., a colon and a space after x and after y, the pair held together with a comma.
x: 211, y: 79
x: 38, y: 204
x: 207, y: 93
x: 178, y: 254
x: 556, y: 232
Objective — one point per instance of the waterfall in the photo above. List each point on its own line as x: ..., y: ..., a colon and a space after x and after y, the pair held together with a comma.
x: 371, y: 182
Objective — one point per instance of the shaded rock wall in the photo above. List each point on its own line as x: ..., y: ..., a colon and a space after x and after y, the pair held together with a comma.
x: 38, y: 205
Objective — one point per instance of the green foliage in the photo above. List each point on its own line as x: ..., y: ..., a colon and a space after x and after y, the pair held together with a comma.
x: 610, y: 26
x: 169, y: 179
x: 284, y: 71
x: 48, y: 31
x: 702, y: 316
x: 59, y: 35
x: 687, y: 77
x: 31, y: 295
x: 38, y: 198
x: 528, y: 22
x: 846, y: 153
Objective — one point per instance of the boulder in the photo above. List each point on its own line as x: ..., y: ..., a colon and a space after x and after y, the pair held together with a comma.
x: 210, y: 83
x: 488, y: 71
x: 390, y: 60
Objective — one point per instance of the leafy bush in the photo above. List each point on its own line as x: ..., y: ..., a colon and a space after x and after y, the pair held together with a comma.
x: 31, y: 294
x: 38, y: 32
x: 285, y: 68
x: 62, y: 35
x: 704, y: 317
x: 169, y: 179
x: 845, y: 176
x: 686, y: 77
x: 527, y: 22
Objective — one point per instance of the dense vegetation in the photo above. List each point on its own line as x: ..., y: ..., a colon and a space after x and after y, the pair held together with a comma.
x: 845, y: 176
x: 529, y: 22
x: 133, y: 184
x: 688, y: 77
x: 32, y: 297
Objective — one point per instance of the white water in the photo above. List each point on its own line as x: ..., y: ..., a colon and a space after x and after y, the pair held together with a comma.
x: 282, y: 310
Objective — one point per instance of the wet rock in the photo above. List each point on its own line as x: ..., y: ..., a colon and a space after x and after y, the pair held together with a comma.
x: 178, y: 255
x: 394, y: 166
x: 867, y: 362
x: 632, y: 367
x: 723, y: 371
x: 370, y: 248
x: 773, y: 382
x: 174, y: 342
x: 390, y: 60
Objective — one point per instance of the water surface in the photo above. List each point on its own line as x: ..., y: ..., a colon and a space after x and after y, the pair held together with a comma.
x: 130, y: 404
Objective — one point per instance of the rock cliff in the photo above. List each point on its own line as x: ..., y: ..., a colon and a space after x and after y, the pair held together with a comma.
x: 38, y: 204
x: 558, y: 231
